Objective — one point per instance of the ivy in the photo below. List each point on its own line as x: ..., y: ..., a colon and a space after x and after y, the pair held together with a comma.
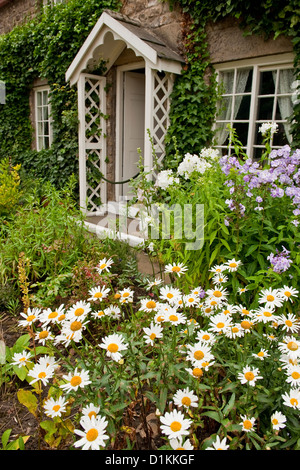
x: 44, y: 48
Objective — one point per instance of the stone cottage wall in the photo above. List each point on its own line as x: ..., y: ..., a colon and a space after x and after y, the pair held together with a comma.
x: 16, y: 12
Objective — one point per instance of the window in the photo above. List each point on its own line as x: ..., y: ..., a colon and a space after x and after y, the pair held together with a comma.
x: 253, y: 94
x: 42, y: 119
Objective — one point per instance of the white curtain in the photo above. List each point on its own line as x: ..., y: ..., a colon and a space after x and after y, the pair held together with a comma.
x: 286, y: 77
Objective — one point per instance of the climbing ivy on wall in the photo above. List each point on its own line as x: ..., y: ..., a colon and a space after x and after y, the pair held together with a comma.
x: 44, y: 48
x: 194, y: 97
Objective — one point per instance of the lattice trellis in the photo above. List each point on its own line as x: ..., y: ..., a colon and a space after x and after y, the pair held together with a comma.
x: 162, y: 88
x: 92, y: 127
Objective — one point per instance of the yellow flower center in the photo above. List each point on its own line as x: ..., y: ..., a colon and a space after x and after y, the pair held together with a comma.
x: 175, y: 426
x: 91, y: 414
x: 191, y: 299
x: 213, y: 302
x: 234, y: 329
x: 217, y: 293
x: 56, y: 408
x: 249, y: 376
x: 102, y: 266
x: 92, y: 435
x: 198, y: 355
x: 173, y: 318
x: 292, y: 346
x: 267, y: 314
x: 197, y: 372
x: 220, y: 325
x: 289, y: 323
x: 270, y: 298
x: 275, y: 421
x: 75, y: 326
x: 294, y: 401
x: 232, y: 265
x: 287, y: 293
x: 30, y: 318
x: 186, y: 401
x: 61, y: 317
x: 169, y: 295
x: 226, y: 312
x: 176, y: 269
x: 22, y: 359
x: 245, y: 311
x: 152, y: 336
x: 207, y: 310
x: 247, y: 424
x: 246, y: 325
x: 42, y: 375
x: 205, y: 337
x: 296, y: 375
x: 43, y: 334
x: 151, y: 304
x: 52, y: 315
x: 98, y: 295
x: 117, y: 296
x: 261, y: 354
x: 112, y: 347
x: 76, y: 380
x: 160, y: 319
x: 78, y: 312
x: 126, y: 294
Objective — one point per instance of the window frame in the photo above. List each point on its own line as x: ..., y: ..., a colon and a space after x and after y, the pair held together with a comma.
x: 258, y: 65
x: 37, y: 90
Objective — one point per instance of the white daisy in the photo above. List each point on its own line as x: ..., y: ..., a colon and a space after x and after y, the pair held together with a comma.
x: 264, y: 315
x: 126, y: 296
x: 248, y: 424
x: 176, y: 268
x: 30, y: 317
x: 156, y: 282
x: 218, y: 268
x: 219, y: 444
x: 149, y: 305
x: 177, y: 444
x: 90, y: 410
x: 113, y: 311
x: 175, y: 425
x: 43, y: 335
x: 104, y: 265
x: 278, y: 420
x: 206, y: 337
x: 175, y: 318
x: 191, y: 300
x: 289, y: 322
x: 93, y: 435
x: 55, y: 407
x: 220, y: 323
x: 75, y: 380
x: 52, y: 316
x: 290, y: 346
x: 234, y: 331
x: 288, y: 292
x: 113, y: 344
x: 21, y: 359
x: 152, y: 333
x: 72, y: 331
x: 98, y: 293
x: 78, y: 311
x: 271, y: 298
x: 159, y: 318
x: 185, y: 398
x: 169, y: 293
x: 233, y: 265
x: 261, y: 354
x: 249, y: 376
x: 195, y: 372
x: 199, y: 353
x: 293, y: 375
x: 219, y: 279
x: 41, y: 372
x: 292, y: 399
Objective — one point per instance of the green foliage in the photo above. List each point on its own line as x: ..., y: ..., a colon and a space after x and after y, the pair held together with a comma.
x: 44, y: 48
x: 9, y: 186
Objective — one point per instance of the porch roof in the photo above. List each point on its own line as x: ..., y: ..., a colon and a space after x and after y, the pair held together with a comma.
x: 111, y: 35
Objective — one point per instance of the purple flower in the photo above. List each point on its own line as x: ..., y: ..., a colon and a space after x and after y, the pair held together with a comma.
x: 281, y: 261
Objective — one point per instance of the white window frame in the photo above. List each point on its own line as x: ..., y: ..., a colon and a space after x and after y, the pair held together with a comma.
x: 37, y: 121
x: 258, y: 65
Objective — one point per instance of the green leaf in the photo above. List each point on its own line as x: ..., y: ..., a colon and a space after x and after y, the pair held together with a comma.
x: 28, y: 399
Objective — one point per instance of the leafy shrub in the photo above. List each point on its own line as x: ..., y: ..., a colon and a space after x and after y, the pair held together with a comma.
x: 9, y: 186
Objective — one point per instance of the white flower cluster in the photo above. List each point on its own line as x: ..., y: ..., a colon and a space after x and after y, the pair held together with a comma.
x: 194, y: 163
x: 165, y: 178
x: 268, y: 127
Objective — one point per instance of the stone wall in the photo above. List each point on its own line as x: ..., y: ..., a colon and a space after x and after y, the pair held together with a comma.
x: 16, y: 12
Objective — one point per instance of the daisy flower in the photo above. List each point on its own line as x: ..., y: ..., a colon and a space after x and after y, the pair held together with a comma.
x: 198, y: 291
x: 55, y: 407
x: 159, y: 318
x: 207, y: 310
x: 219, y: 279
x: 169, y: 293
x: 220, y: 323
x: 113, y: 344
x: 90, y: 410
x: 72, y: 330
x: 219, y: 444
x: 41, y: 372
x: 79, y: 310
x: 264, y: 315
x: 177, y: 444
x: 156, y: 282
x: 176, y: 318
x: 198, y: 353
x: 246, y: 325
x: 249, y: 376
x: 48, y: 361
x: 278, y: 420
x: 175, y: 425
x: 104, y: 265
x: 288, y: 292
x: 219, y: 294
x: 292, y: 399
x: 93, y: 434
x: 218, y: 268
x: 293, y: 375
x: 289, y: 322
x: 30, y: 317
x: 262, y: 353
x: 185, y: 398
x: 241, y: 290
x: 126, y: 296
x: 113, y: 311
x: 234, y: 331
x: 75, y: 380
x: 196, y: 372
x: 155, y: 331
x: 242, y: 310
x: 21, y: 359
x: 290, y: 346
x: 247, y: 424
x: 190, y: 300
x: 99, y: 313
x: 52, y: 316
x: 43, y: 336
x: 149, y: 305
x: 206, y: 337
x: 98, y: 293
x: 271, y: 298
x: 233, y: 265
x: 176, y: 268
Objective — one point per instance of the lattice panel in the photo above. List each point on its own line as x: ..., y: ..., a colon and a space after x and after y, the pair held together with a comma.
x: 163, y: 84
x: 92, y: 141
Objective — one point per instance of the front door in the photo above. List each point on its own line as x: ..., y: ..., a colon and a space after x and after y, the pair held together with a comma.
x: 133, y: 126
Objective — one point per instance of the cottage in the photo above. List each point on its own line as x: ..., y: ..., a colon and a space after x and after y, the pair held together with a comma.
x: 124, y: 74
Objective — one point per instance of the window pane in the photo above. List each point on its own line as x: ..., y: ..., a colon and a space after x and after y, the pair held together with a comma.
x: 265, y: 109
x: 244, y: 107
x: 267, y: 83
x: 227, y: 79
x: 242, y: 132
x: 279, y: 138
x: 224, y: 109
